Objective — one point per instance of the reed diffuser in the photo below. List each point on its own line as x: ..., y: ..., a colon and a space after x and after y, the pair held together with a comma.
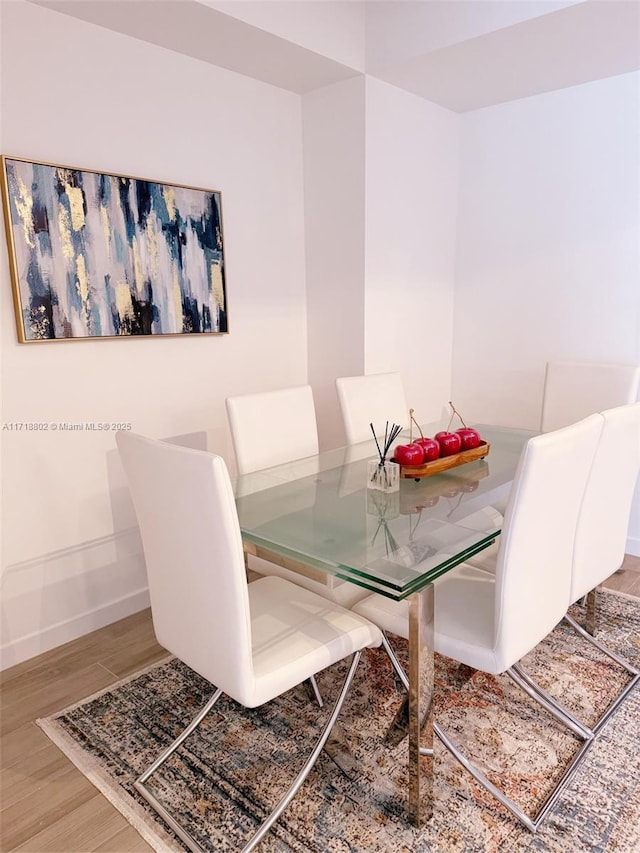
x: 382, y: 473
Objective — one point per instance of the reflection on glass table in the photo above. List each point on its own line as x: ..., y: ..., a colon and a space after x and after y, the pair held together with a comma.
x: 318, y: 511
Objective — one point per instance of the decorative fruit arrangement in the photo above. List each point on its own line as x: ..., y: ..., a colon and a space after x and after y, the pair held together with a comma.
x: 450, y: 442
x: 443, y: 444
x: 430, y: 448
x: 409, y: 454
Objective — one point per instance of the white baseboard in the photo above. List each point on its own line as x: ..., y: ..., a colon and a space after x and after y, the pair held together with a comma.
x: 633, y: 546
x: 61, y: 596
x: 24, y: 648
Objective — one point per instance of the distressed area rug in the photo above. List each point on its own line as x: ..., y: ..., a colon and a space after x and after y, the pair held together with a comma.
x: 234, y: 769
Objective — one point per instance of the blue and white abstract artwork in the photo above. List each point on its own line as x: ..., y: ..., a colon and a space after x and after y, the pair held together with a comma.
x: 95, y: 255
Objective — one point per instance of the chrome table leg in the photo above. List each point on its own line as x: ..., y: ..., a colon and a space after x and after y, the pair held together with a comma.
x: 421, y: 687
x: 591, y: 620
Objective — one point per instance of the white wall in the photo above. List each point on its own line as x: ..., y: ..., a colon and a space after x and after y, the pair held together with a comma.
x: 334, y: 146
x: 78, y: 95
x: 381, y: 182
x: 412, y: 154
x: 548, y: 248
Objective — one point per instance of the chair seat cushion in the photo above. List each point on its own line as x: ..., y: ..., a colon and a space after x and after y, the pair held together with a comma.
x: 296, y: 634
x: 465, y: 623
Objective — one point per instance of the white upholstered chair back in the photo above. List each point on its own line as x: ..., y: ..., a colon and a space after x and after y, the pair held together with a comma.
x: 573, y: 390
x: 604, y: 517
x: 533, y: 572
x: 193, y: 551
x: 272, y: 427
x: 375, y: 399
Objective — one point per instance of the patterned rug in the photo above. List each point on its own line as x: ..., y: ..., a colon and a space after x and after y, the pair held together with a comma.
x: 237, y: 765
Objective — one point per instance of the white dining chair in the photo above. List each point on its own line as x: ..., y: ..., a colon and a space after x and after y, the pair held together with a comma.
x: 490, y: 621
x: 253, y: 641
x: 272, y: 428
x: 604, y: 521
x: 602, y: 528
x: 377, y: 399
x: 573, y: 390
x: 604, y: 516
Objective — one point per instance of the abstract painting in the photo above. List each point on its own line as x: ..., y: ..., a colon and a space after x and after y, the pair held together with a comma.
x: 96, y: 255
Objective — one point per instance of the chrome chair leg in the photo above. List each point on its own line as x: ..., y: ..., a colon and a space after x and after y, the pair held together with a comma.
x: 395, y: 662
x: 633, y: 672
x: 553, y: 706
x: 543, y: 694
x: 316, y: 691
x: 591, y: 619
x: 302, y: 775
x: 181, y: 832
x: 155, y: 804
x: 605, y: 649
x: 532, y: 823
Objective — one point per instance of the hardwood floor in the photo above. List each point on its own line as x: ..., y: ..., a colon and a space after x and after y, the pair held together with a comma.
x: 48, y: 805
x: 627, y: 578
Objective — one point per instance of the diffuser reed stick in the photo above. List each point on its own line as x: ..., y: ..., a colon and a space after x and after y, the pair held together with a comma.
x: 381, y: 477
x: 390, y: 436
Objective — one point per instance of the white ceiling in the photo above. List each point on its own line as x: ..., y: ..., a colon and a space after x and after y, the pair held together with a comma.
x: 461, y: 54
x: 583, y: 42
x: 196, y: 29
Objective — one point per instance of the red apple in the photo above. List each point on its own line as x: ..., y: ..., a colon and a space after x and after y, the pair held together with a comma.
x: 430, y: 448
x: 408, y: 454
x: 450, y: 443
x: 470, y: 437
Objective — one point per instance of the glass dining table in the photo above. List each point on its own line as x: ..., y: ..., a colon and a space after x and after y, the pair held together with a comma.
x: 316, y: 516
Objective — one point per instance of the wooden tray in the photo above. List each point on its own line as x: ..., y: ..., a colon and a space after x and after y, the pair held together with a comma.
x: 417, y: 472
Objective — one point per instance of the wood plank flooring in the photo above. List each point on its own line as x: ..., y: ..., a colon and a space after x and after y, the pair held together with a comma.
x: 48, y: 805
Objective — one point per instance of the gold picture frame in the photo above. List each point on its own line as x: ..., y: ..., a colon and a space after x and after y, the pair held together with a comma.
x: 98, y: 255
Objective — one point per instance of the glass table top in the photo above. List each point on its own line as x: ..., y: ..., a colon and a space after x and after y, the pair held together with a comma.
x: 318, y: 511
